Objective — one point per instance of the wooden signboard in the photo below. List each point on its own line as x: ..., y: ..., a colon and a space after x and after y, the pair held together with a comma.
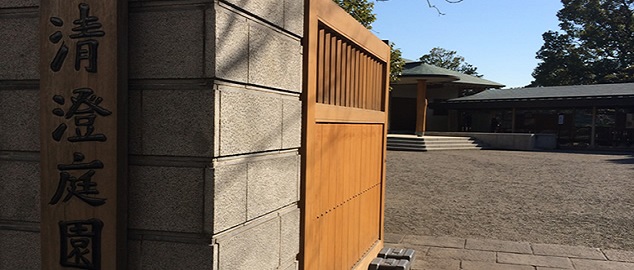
x: 83, y: 90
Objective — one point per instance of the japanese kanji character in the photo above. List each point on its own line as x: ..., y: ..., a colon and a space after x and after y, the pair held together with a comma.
x: 83, y: 187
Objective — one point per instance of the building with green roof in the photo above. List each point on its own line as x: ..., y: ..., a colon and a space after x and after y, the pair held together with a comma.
x: 414, y: 99
x: 600, y: 115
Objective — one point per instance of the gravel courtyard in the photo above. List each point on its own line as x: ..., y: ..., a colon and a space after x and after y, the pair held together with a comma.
x: 584, y: 199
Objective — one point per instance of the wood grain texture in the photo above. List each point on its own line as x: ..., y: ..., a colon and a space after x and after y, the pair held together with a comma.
x: 343, y: 171
x: 101, y: 71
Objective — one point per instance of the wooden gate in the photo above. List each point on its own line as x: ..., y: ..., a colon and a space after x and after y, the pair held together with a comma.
x: 345, y: 115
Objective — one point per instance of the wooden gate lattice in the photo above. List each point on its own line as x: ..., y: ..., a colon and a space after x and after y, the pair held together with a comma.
x: 345, y: 105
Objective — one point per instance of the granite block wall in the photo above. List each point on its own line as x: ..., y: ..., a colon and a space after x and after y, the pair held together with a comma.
x: 214, y: 132
x: 257, y: 128
x: 19, y: 136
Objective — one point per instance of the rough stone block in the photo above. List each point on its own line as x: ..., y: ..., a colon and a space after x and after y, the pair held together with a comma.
x: 20, y: 52
x: 19, y: 120
x: 290, y: 236
x: 20, y: 191
x: 166, y: 198
x: 292, y: 266
x: 209, y: 52
x: 249, y: 121
x: 230, y: 196
x: 271, y: 11
x: 166, y: 43
x: 257, y: 247
x: 135, y: 122
x: 232, y: 45
x: 272, y: 184
x: 292, y: 123
x: 134, y: 255
x: 178, y: 122
x: 19, y: 250
x: 294, y: 16
x: 275, y: 59
x: 168, y: 256
x: 18, y: 3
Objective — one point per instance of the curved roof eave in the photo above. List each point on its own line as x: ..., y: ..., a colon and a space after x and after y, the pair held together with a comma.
x: 413, y: 71
x: 411, y: 78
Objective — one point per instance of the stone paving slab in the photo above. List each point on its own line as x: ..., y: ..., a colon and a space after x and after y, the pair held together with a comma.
x: 498, y: 245
x: 472, y: 265
x: 535, y: 260
x: 619, y: 255
x: 429, y: 263
x: 568, y: 251
x: 462, y: 254
x: 451, y: 253
x: 434, y: 241
x: 581, y: 264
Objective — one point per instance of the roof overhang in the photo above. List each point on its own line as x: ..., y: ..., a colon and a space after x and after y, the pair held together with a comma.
x: 430, y: 79
x: 560, y: 102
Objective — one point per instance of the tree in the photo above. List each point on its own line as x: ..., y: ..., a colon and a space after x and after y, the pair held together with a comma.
x: 563, y: 62
x: 361, y: 10
x: 595, y: 44
x: 396, y: 63
x: 450, y: 60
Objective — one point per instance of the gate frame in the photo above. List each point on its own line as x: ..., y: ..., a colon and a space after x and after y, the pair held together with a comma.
x: 325, y: 11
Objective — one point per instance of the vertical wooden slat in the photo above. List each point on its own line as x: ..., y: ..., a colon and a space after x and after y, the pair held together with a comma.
x: 370, y: 84
x: 340, y: 78
x: 352, y: 77
x: 327, y: 69
x: 333, y: 69
x: 321, y: 55
x: 377, y: 85
x: 348, y: 76
x: 364, y: 81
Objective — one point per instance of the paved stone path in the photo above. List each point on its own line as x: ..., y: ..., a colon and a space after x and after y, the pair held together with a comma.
x: 450, y: 253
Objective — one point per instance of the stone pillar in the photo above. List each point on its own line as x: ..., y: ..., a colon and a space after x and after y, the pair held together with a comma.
x: 421, y: 107
x: 255, y: 169
x: 214, y: 133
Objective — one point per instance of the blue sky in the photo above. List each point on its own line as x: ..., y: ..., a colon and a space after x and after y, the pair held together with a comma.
x: 500, y: 37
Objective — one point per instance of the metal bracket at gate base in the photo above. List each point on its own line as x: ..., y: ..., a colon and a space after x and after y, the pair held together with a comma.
x: 389, y: 264
x: 393, y: 259
x: 397, y: 253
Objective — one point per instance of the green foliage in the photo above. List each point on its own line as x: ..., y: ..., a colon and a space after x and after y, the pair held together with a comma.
x: 361, y: 10
x: 450, y: 60
x: 396, y: 63
x: 595, y: 45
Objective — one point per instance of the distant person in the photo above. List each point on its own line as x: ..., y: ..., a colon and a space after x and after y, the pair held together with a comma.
x: 466, y: 121
x: 495, y: 125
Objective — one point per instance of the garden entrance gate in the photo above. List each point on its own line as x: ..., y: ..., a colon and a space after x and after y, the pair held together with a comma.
x: 345, y: 124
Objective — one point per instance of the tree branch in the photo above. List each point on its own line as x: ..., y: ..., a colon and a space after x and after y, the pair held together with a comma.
x: 437, y: 9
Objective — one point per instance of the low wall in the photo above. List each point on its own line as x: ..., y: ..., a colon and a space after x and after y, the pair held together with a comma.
x: 510, y: 141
